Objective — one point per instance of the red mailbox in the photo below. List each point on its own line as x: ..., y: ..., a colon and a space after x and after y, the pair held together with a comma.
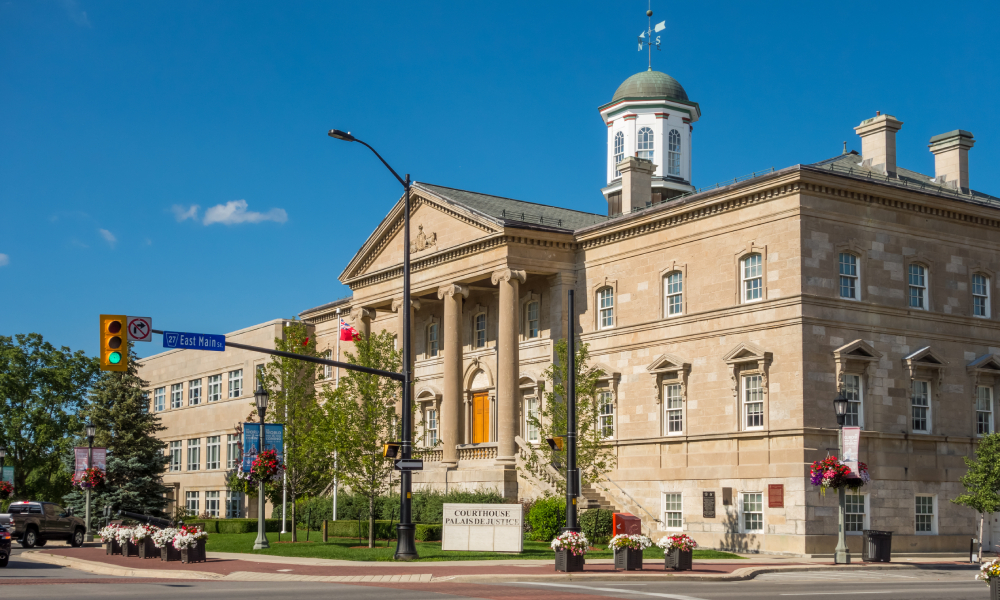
x: 626, y: 523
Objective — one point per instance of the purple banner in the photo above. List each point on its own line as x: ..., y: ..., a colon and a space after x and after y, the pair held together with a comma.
x: 100, y: 459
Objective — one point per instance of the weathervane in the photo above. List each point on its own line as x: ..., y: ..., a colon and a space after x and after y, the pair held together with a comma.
x: 646, y: 37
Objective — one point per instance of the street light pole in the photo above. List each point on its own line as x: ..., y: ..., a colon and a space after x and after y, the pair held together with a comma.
x: 406, y: 547
x: 261, y: 398
x: 841, y: 555
x: 91, y: 430
x: 572, y: 476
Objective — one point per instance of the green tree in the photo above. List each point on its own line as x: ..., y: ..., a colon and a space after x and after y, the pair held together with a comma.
x: 982, y: 481
x: 361, y: 418
x: 126, y: 426
x: 42, y: 391
x: 291, y: 385
x: 594, y: 457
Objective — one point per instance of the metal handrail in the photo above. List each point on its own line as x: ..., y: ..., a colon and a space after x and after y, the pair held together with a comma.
x: 525, y: 217
x: 913, y: 184
x: 634, y: 500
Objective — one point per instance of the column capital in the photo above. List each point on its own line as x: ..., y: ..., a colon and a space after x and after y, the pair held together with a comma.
x: 397, y: 302
x: 506, y: 275
x: 359, y: 312
x: 451, y: 289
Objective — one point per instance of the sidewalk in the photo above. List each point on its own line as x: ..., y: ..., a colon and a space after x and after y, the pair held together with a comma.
x: 250, y: 567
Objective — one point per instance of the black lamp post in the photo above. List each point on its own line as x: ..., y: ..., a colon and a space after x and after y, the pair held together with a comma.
x: 572, y: 473
x: 841, y: 556
x: 261, y: 398
x: 91, y: 430
x: 406, y: 548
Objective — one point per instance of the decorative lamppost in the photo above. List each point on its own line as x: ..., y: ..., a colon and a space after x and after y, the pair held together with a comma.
x: 841, y: 556
x: 261, y: 398
x: 406, y: 547
x: 91, y: 430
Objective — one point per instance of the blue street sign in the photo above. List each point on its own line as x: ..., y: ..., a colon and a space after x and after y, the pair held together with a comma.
x: 194, y: 341
x: 274, y: 439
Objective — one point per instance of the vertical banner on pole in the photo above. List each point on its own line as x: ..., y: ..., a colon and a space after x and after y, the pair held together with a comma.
x: 852, y: 443
x: 100, y: 459
x: 274, y: 436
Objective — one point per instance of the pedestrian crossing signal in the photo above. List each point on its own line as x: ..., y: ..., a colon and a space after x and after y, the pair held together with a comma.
x: 114, y: 349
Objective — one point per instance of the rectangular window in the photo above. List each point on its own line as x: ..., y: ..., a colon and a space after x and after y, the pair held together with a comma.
x: 673, y: 515
x: 607, y: 416
x: 258, y: 377
x: 918, y: 287
x: 848, y: 276
x: 606, y: 308
x: 213, y: 452
x: 753, y: 512
x: 160, y: 399
x: 432, y: 428
x: 984, y: 410
x: 212, y: 504
x: 232, y: 451
x: 753, y: 278
x: 236, y: 383
x: 481, y: 330
x: 234, y: 505
x: 194, y: 392
x: 177, y: 395
x: 925, y: 521
x: 194, y: 454
x: 531, y: 417
x: 854, y: 513
x: 215, y: 388
x: 980, y: 296
x: 328, y: 369
x: 753, y: 402
x: 432, y: 340
x: 854, y: 395
x: 675, y: 408
x: 675, y: 294
x: 176, y: 455
x: 533, y: 319
x: 921, y: 406
x: 192, y: 503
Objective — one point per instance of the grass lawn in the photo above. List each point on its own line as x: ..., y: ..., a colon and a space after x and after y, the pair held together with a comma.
x: 341, y: 548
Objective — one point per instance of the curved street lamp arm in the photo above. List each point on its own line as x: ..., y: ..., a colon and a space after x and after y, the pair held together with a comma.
x: 391, y: 170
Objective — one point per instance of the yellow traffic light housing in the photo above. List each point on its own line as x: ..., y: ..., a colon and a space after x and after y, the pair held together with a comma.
x: 556, y: 443
x: 390, y: 450
x: 114, y: 347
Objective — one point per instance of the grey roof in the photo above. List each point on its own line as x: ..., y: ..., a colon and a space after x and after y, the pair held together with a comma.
x: 650, y: 84
x: 514, y: 212
x: 328, y: 305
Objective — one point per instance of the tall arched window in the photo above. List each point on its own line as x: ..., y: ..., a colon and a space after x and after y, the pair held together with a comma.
x: 606, y: 308
x: 645, y: 143
x: 432, y: 340
x: 674, y: 152
x: 619, y: 151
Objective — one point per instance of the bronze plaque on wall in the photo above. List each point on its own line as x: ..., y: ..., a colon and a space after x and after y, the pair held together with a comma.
x: 727, y: 496
x: 776, y: 495
x: 708, y: 505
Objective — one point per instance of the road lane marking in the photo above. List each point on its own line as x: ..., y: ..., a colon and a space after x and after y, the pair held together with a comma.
x: 849, y: 593
x: 602, y: 589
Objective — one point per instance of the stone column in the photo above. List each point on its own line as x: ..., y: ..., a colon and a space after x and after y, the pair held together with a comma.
x: 361, y: 319
x: 414, y: 307
x: 508, y: 363
x: 451, y: 405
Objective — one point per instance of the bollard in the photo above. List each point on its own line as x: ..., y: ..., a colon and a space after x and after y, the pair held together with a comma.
x: 326, y: 530
x: 308, y: 522
x: 973, y: 555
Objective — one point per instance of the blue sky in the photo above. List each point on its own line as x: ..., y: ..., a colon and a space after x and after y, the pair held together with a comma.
x: 118, y: 117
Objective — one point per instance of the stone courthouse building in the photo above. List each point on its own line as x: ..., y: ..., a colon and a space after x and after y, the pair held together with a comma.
x: 725, y: 321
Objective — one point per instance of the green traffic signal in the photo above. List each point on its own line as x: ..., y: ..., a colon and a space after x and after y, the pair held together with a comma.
x: 115, y: 358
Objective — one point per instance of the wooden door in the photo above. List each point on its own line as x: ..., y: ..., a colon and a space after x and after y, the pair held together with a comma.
x: 480, y: 418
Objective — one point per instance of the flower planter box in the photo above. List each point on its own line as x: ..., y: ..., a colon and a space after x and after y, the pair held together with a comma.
x: 130, y: 549
x: 169, y: 553
x: 567, y: 562
x: 677, y: 560
x: 994, y: 589
x: 628, y: 559
x: 194, y: 554
x: 147, y: 549
x: 112, y: 547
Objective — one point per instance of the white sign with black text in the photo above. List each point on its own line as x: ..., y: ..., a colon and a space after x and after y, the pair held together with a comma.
x: 483, y: 527
x: 851, y: 443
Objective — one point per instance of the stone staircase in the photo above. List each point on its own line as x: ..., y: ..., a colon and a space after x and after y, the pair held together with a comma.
x: 596, y: 499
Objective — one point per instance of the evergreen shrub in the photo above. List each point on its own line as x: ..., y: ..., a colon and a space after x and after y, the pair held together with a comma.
x: 547, y: 518
x: 596, y: 524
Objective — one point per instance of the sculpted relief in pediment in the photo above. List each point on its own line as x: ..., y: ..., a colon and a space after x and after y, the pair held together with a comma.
x: 423, y: 241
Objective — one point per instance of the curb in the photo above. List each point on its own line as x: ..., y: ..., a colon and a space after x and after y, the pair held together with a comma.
x: 104, y: 569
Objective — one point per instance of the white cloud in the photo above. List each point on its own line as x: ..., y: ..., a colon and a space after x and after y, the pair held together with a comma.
x: 4, y: 260
x: 235, y: 211
x: 183, y: 214
x: 108, y: 237
x: 75, y: 14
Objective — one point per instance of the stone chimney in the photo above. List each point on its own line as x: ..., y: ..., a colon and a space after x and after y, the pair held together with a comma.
x: 637, y: 183
x: 951, y: 158
x: 878, y: 142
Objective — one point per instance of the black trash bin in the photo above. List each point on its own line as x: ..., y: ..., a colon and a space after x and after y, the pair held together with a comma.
x: 877, y: 546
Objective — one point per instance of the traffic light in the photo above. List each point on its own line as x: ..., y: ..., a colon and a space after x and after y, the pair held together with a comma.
x: 390, y: 450
x: 114, y: 348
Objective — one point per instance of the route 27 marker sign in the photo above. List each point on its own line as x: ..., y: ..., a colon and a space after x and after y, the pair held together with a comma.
x: 140, y: 329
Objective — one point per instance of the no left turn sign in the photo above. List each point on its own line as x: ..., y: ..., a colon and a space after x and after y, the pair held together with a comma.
x: 140, y: 329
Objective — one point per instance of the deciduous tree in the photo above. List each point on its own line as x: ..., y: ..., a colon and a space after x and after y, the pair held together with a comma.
x: 982, y: 481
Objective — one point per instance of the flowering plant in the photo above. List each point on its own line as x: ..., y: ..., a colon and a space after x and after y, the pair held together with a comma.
x: 681, y: 542
x: 989, y: 571
x: 141, y: 532
x: 632, y: 542
x: 89, y: 478
x: 265, y: 467
x: 571, y: 541
x: 108, y: 533
x: 187, y: 537
x: 123, y: 535
x: 833, y: 474
x: 162, y: 537
x: 6, y: 490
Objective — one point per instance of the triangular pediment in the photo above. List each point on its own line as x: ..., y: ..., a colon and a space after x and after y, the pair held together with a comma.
x: 666, y: 363
x: 605, y: 372
x: 858, y: 350
x: 926, y: 356
x: 986, y: 362
x: 746, y: 352
x: 435, y: 225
